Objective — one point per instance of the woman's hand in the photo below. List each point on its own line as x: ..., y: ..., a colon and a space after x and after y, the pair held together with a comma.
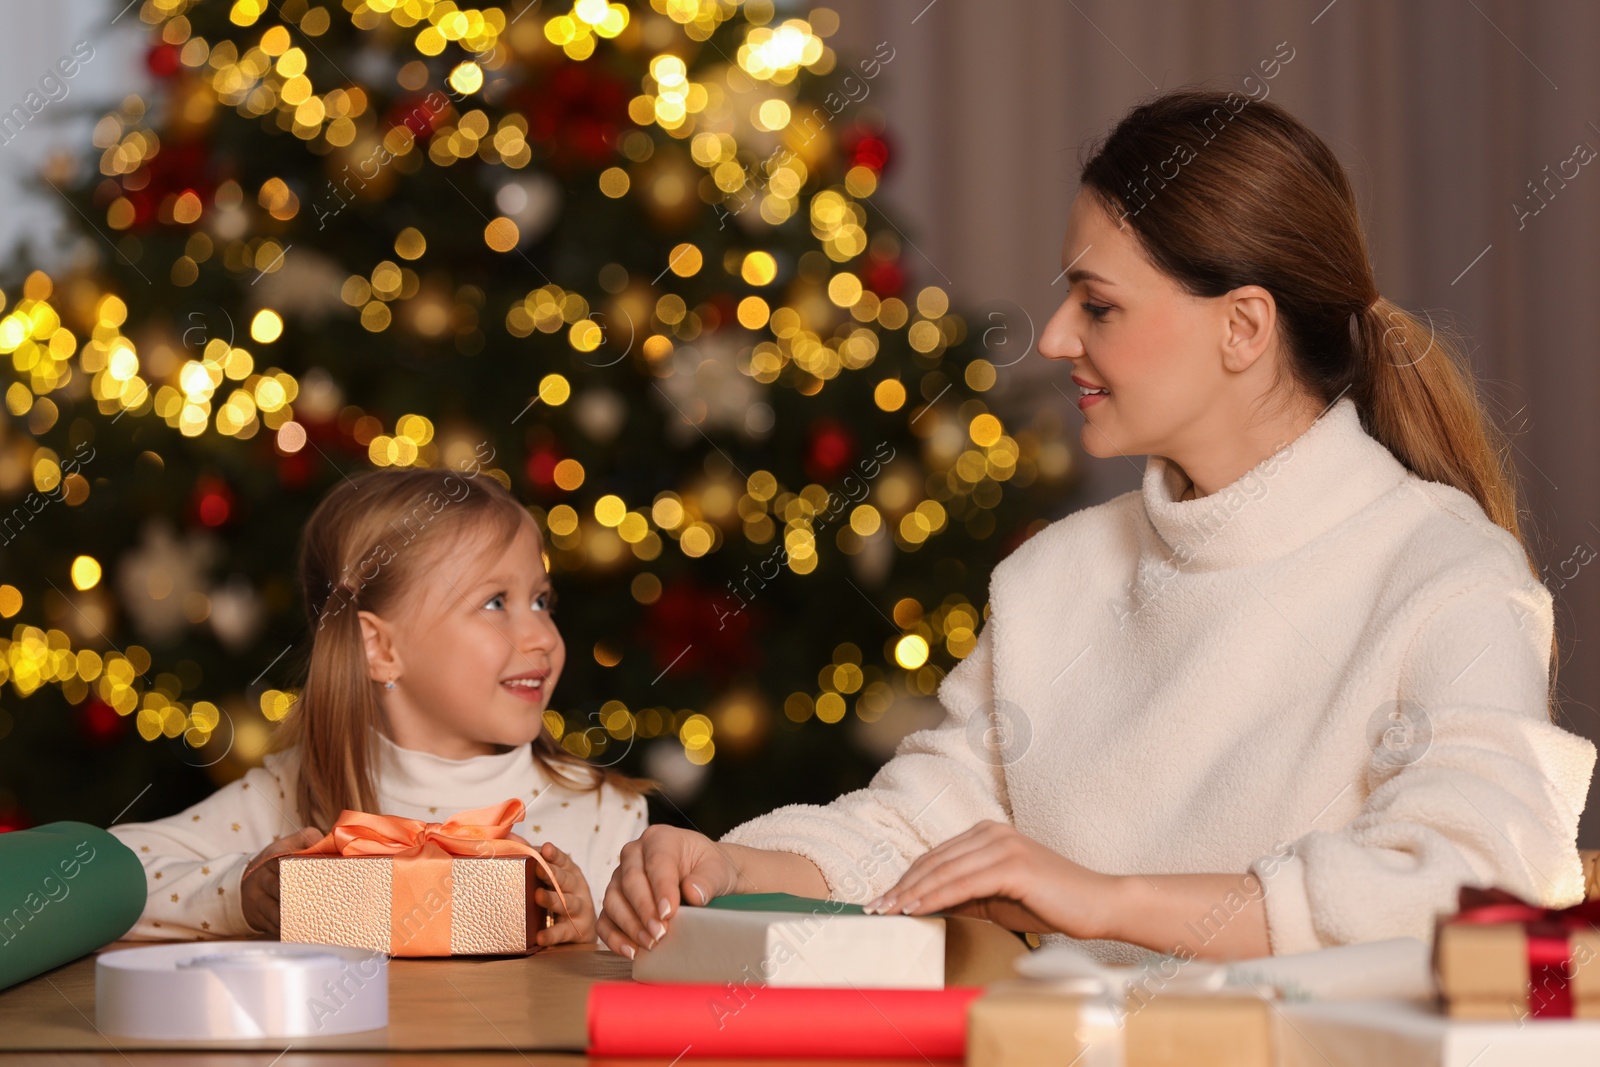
x: 664, y: 866
x: 576, y: 923
x: 258, y: 889
x: 994, y: 872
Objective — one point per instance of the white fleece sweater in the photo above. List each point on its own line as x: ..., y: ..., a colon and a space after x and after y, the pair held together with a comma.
x: 1226, y: 684
x: 193, y: 860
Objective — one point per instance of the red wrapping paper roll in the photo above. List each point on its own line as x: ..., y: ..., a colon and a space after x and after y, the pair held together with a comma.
x: 707, y: 1019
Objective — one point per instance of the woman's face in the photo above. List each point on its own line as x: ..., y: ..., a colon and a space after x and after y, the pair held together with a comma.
x: 477, y: 650
x: 1127, y: 327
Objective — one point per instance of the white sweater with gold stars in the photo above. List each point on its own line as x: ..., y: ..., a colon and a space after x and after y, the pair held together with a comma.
x: 193, y: 860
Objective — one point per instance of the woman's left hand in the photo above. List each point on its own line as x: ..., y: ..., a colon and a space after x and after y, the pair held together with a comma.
x: 994, y: 872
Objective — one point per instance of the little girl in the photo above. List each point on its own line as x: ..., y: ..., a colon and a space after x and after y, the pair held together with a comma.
x: 432, y: 656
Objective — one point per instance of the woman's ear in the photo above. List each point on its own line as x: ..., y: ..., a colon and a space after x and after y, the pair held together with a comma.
x: 383, y: 658
x: 1249, y: 326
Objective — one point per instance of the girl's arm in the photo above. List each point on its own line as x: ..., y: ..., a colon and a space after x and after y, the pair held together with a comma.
x: 194, y: 860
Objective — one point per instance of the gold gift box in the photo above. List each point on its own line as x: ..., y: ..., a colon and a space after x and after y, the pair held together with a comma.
x: 1013, y: 1025
x: 483, y: 907
x: 1483, y: 971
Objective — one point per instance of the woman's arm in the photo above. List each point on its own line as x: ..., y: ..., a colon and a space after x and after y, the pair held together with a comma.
x: 1204, y: 916
x: 995, y: 872
x: 1489, y: 795
x: 1486, y: 790
x: 764, y: 871
x: 939, y: 782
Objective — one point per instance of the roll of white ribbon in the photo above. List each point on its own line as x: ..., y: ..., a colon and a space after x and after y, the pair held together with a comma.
x: 240, y: 989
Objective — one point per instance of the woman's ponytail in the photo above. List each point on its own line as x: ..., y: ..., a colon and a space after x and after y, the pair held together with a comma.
x: 1419, y: 399
x: 1416, y: 396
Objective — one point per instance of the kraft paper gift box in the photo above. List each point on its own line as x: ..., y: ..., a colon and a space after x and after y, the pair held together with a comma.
x: 1022, y: 1024
x: 410, y: 888
x: 782, y: 940
x: 1501, y: 958
x: 1171, y: 1011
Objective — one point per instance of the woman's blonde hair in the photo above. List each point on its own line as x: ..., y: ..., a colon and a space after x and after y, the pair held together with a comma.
x: 364, y: 547
x: 1224, y: 191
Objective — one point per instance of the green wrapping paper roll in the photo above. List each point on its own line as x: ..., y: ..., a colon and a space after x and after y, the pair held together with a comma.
x: 66, y: 889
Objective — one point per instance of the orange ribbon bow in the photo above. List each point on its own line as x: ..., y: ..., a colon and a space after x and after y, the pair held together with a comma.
x: 423, y: 852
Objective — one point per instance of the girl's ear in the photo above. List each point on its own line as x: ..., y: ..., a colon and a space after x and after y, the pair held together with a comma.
x: 377, y: 637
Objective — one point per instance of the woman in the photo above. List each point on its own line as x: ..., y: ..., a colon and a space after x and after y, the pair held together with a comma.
x: 1292, y: 692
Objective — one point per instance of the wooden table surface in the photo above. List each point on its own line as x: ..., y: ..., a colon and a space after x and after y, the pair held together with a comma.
x: 528, y: 1011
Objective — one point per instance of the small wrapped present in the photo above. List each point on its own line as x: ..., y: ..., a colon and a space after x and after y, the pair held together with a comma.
x: 1019, y: 1024
x: 411, y: 888
x: 1499, y: 957
x: 1069, y: 1008
x: 778, y: 939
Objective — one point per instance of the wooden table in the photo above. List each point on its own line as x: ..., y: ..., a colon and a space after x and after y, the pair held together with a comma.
x: 527, y: 1011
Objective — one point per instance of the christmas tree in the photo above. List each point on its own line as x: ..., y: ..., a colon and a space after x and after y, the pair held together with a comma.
x: 623, y: 259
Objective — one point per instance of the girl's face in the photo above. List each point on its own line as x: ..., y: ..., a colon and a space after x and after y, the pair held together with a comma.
x: 1163, y: 354
x: 473, y: 650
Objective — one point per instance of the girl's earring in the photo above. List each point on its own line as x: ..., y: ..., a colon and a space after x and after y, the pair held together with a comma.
x: 389, y: 684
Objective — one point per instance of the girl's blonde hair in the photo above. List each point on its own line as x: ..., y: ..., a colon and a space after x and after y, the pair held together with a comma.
x: 1225, y: 191
x: 364, y: 547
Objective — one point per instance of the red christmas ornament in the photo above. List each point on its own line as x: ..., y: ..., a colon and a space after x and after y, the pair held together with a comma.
x: 101, y: 722
x: 689, y: 629
x: 727, y: 310
x: 162, y: 60
x: 419, y: 113
x: 179, y: 167
x: 576, y: 115
x: 212, y: 502
x: 830, y: 449
x: 885, y: 277
x: 865, y: 148
x: 541, y: 467
x: 294, y: 470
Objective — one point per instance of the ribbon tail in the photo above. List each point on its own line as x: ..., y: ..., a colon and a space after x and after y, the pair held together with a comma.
x: 554, y: 884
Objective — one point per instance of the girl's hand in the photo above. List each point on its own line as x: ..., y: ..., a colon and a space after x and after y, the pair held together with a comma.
x: 258, y: 889
x: 659, y: 869
x: 994, y: 872
x: 577, y: 922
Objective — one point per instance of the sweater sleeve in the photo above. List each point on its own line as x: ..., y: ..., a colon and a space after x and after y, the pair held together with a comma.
x: 1469, y: 784
x: 194, y: 860
x: 939, y: 783
x: 621, y: 818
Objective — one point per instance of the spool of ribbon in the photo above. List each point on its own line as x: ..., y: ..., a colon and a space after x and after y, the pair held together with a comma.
x: 422, y: 853
x: 231, y: 990
x: 1548, y: 932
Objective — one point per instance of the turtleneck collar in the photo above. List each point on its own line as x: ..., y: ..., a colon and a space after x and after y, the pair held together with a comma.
x: 1306, y: 488
x: 423, y: 780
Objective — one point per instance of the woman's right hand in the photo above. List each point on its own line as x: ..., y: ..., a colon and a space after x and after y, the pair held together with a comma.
x: 663, y: 867
x: 258, y: 888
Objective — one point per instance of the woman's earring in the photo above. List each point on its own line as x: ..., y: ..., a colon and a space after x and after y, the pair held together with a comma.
x: 389, y: 684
